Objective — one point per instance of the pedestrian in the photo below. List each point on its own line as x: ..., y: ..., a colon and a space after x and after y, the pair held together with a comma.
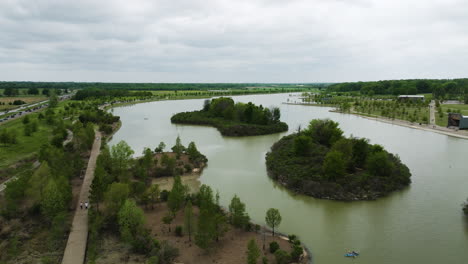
x: 86, y: 205
x: 81, y: 205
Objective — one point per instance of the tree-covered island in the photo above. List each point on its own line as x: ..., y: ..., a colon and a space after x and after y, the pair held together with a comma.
x: 319, y: 161
x: 234, y: 119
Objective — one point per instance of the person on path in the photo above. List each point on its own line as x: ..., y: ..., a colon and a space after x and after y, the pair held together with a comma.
x: 81, y: 205
x: 86, y: 205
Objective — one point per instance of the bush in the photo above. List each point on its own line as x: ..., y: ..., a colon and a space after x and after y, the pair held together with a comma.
x: 282, y: 257
x: 164, y: 195
x: 296, y: 252
x: 188, y: 168
x: 178, y: 231
x: 274, y: 246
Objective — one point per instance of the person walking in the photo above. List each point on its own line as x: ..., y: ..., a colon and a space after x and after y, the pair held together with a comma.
x: 81, y: 205
x: 86, y: 205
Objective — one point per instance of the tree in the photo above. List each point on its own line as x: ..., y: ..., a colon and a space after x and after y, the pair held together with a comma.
x: 253, y: 252
x: 53, y: 202
x: 302, y: 145
x: 153, y: 194
x: 189, y: 220
x: 160, y: 147
x: 53, y: 100
x: 33, y: 90
x: 273, y: 218
x: 131, y: 220
x: 276, y: 114
x: 378, y: 164
x: 334, y: 165
x: 205, y: 227
x: 38, y: 182
x: 147, y: 162
x: 178, y: 148
x: 177, y: 195
x: 324, y: 131
x: 238, y: 217
x: 98, y: 186
x: 167, y: 219
x: 115, y: 197
x: 121, y: 157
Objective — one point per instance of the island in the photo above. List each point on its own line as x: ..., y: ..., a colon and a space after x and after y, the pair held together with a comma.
x: 234, y: 119
x: 319, y: 161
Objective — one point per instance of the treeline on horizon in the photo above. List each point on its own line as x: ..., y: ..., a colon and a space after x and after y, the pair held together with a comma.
x: 155, y: 86
x: 443, y: 88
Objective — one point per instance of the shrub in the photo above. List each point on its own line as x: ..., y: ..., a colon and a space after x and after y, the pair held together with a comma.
x: 188, y: 168
x: 282, y: 257
x: 178, y: 231
x: 164, y: 195
x: 274, y: 246
x: 296, y: 252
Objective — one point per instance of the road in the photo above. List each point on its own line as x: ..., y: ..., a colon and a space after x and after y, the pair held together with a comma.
x: 75, y: 251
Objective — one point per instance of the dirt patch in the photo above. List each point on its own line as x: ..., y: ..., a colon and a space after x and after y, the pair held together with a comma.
x: 231, y: 248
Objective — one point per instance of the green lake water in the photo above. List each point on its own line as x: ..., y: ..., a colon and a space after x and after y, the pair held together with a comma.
x: 421, y: 224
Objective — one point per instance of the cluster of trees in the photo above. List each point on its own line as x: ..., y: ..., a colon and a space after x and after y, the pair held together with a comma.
x: 93, y: 93
x: 465, y: 207
x: 413, y: 111
x: 15, y: 91
x: 441, y: 89
x: 156, y: 86
x: 319, y: 161
x: 235, y: 119
x: 8, y: 136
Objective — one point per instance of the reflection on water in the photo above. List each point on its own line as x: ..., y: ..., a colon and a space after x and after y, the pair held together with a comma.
x: 420, y: 224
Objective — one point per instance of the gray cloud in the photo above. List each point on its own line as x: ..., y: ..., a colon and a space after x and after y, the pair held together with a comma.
x: 232, y: 41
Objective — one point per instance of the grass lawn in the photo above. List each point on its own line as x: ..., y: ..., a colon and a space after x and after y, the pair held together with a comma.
x: 27, y: 147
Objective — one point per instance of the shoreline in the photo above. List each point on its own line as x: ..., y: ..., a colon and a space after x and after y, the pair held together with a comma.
x: 425, y: 127
x: 404, y: 123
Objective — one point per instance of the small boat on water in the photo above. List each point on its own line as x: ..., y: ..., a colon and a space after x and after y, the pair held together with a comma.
x: 352, y: 254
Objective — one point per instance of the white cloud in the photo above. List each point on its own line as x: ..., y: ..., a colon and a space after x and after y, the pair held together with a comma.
x: 232, y: 41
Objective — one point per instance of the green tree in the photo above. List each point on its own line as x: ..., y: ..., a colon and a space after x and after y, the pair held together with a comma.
x: 167, y: 219
x: 38, y: 182
x: 147, y: 162
x: 177, y: 195
x: 131, y: 220
x: 334, y: 165
x: 98, y: 186
x: 205, y: 234
x: 178, y: 148
x: 189, y: 220
x: 53, y: 100
x: 121, y: 158
x: 238, y: 216
x: 115, y: 197
x: 324, y: 131
x: 160, y: 147
x: 379, y: 164
x: 53, y: 202
x: 253, y: 252
x: 153, y: 194
x: 273, y: 218
x: 302, y: 145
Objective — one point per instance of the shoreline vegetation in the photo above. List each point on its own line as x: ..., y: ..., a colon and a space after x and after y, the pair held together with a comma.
x: 320, y: 162
x: 234, y: 119
x: 133, y: 219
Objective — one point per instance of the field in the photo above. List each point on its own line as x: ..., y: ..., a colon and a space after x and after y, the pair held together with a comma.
x: 27, y: 99
x: 442, y: 121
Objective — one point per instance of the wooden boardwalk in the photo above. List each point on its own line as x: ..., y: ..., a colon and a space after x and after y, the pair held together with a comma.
x: 75, y: 251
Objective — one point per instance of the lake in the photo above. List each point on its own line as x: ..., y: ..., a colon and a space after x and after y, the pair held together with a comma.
x: 420, y: 224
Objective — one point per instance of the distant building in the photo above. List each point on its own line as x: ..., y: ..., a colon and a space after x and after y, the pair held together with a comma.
x: 457, y: 120
x: 411, y: 98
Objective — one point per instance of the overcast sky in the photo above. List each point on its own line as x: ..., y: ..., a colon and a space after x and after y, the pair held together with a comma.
x: 232, y: 40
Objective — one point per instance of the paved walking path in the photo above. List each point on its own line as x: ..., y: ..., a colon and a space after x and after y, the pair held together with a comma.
x: 432, y: 112
x: 76, y: 245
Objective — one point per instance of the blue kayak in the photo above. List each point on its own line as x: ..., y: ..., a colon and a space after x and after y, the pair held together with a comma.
x: 353, y: 254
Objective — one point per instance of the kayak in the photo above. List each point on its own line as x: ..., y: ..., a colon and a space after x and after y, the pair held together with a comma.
x: 353, y: 254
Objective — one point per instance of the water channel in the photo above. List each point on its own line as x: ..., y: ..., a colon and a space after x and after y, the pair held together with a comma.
x: 421, y: 224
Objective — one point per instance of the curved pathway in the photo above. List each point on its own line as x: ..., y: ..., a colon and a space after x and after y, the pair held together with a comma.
x: 75, y: 251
